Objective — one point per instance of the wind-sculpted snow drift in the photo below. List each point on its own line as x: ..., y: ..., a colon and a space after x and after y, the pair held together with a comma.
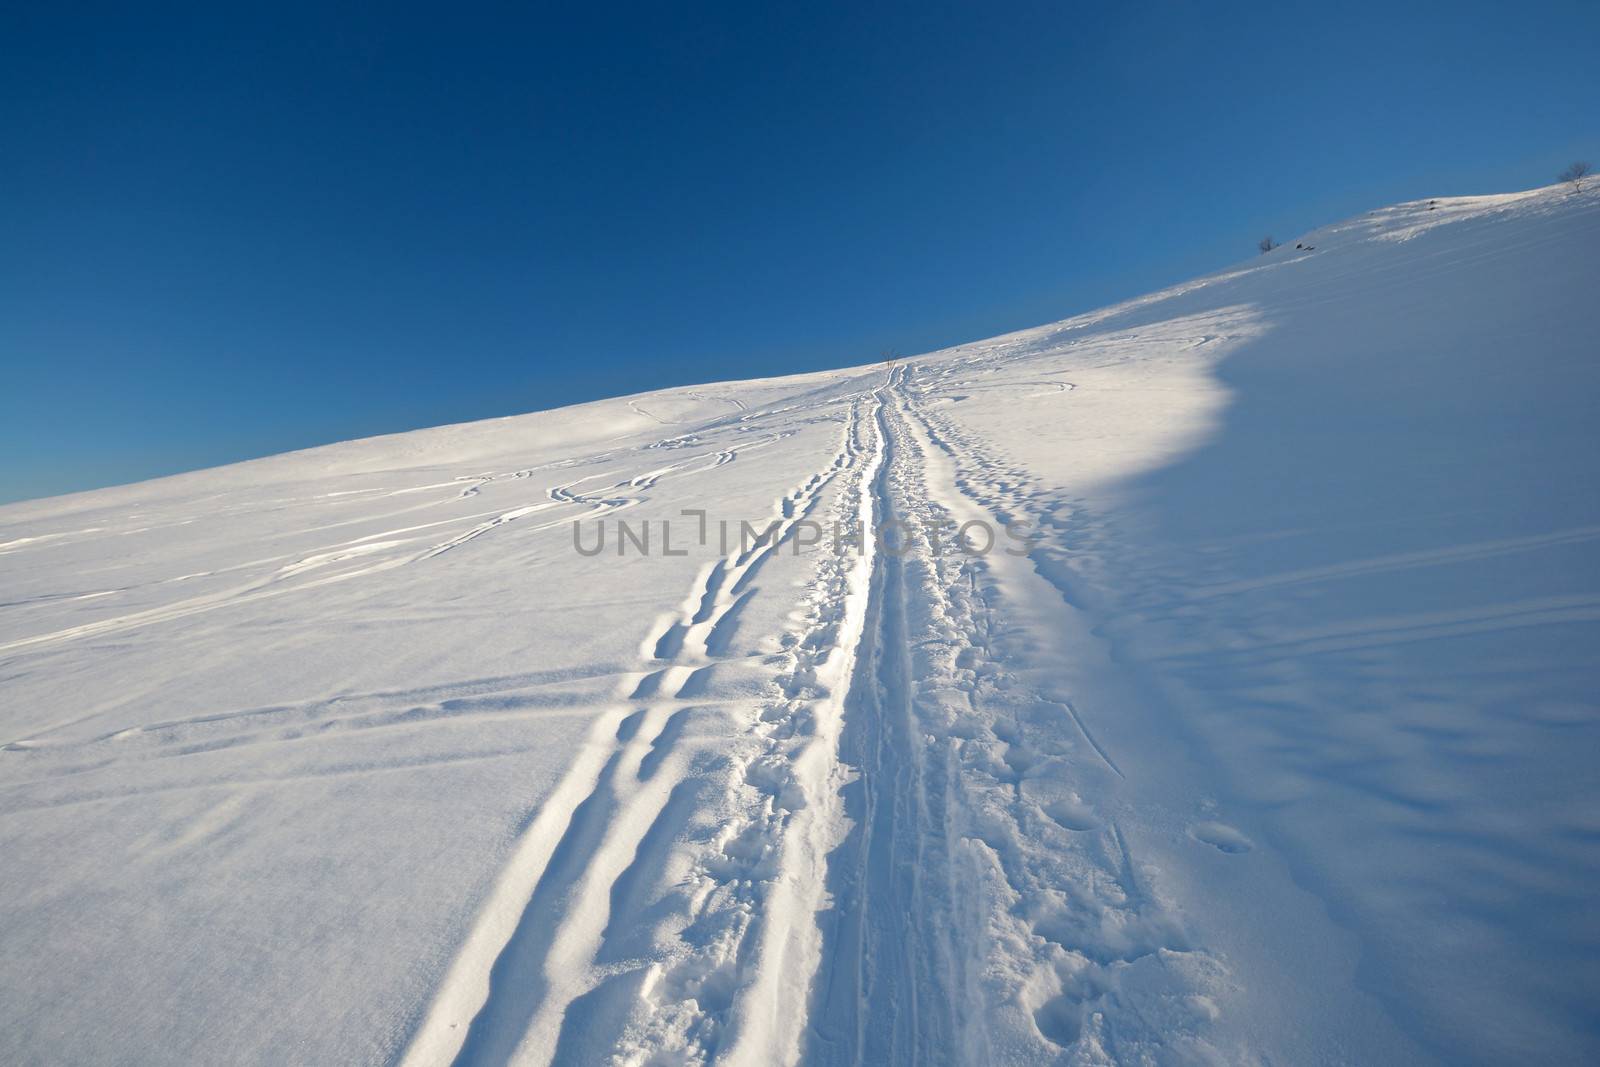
x: 1271, y: 741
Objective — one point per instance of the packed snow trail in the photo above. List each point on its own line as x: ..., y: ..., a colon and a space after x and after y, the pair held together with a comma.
x: 1205, y: 679
x: 880, y: 950
x: 867, y: 807
x: 969, y: 814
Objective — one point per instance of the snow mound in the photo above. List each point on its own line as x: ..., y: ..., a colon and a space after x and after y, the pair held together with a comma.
x: 1221, y: 690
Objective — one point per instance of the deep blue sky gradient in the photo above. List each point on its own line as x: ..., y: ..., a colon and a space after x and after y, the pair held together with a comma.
x: 227, y: 232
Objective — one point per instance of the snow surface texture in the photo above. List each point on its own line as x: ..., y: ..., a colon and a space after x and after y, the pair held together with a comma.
x: 1276, y: 745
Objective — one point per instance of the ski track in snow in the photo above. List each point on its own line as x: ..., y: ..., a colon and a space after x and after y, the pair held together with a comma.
x: 516, y: 980
x: 895, y: 769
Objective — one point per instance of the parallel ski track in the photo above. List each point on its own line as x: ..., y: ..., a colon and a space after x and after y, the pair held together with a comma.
x: 533, y: 950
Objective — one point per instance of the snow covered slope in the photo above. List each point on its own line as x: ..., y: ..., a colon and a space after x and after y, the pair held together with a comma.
x: 1265, y: 731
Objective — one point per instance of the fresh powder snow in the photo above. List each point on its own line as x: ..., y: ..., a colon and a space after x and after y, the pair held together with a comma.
x: 1209, y: 679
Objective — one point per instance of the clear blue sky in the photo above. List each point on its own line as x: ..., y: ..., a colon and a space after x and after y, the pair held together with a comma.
x: 230, y: 230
